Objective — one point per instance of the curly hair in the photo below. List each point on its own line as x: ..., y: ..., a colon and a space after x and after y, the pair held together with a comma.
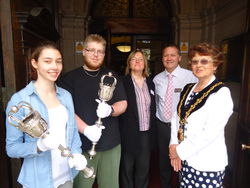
x: 206, y: 49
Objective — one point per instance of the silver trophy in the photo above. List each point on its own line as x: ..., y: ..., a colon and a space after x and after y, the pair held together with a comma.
x: 35, y: 126
x: 105, y: 93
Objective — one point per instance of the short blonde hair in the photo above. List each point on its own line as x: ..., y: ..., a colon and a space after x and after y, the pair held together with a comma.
x: 145, y: 72
x: 94, y: 38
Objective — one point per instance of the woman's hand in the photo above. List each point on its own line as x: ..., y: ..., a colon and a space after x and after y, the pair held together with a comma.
x: 176, y: 164
x: 172, y: 151
x: 174, y: 157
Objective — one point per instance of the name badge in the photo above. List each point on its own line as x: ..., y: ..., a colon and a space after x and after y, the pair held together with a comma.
x: 177, y: 90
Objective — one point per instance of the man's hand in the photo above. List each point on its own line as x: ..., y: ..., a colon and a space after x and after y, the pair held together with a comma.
x: 103, y: 109
x: 93, y: 132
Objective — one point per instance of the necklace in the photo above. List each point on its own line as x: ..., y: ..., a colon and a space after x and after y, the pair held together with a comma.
x: 183, y: 118
x: 91, y: 75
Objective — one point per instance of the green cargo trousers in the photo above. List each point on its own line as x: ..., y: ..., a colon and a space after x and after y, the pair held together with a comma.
x: 106, y: 165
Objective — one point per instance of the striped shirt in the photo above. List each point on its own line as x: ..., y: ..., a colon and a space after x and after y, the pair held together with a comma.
x: 143, y: 102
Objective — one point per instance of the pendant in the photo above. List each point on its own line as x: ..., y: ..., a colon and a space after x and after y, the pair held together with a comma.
x: 181, y: 134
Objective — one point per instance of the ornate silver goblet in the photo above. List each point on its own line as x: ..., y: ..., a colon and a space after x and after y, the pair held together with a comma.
x: 105, y: 93
x: 35, y: 126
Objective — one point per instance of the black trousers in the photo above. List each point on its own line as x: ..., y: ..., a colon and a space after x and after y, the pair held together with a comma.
x: 135, y: 165
x: 164, y: 133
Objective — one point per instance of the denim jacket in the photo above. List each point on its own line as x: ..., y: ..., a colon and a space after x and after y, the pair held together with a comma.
x: 36, y: 171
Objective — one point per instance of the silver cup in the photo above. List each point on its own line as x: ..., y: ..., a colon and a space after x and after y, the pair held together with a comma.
x: 35, y: 126
x: 105, y: 93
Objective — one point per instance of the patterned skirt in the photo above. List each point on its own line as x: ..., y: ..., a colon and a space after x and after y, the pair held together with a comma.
x: 191, y: 178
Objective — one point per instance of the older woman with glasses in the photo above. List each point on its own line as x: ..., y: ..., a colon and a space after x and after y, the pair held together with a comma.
x: 137, y: 122
x: 197, y: 146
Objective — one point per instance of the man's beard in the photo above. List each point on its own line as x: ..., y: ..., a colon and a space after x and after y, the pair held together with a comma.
x: 92, y: 66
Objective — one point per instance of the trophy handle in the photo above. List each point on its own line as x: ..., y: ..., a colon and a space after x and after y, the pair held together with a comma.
x: 115, y: 81
x: 88, y: 172
x: 14, y: 110
x: 92, y: 151
x: 99, y: 122
x: 12, y: 119
x: 111, y: 76
x: 65, y: 152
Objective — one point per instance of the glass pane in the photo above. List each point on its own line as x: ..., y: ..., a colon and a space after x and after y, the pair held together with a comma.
x: 152, y: 49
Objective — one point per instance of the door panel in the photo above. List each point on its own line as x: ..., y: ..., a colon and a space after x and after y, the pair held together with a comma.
x: 150, y: 44
x: 236, y: 72
x: 152, y: 47
x: 242, y: 158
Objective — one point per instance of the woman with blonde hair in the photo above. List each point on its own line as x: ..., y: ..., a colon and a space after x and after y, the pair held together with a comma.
x: 137, y: 123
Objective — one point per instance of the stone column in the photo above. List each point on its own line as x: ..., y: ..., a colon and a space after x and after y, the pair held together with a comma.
x: 73, y: 30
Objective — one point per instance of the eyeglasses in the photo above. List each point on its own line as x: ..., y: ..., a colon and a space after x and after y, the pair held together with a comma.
x: 135, y: 59
x: 93, y: 51
x: 202, y: 61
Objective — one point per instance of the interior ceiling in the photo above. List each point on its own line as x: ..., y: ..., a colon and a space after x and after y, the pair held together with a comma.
x: 130, y: 8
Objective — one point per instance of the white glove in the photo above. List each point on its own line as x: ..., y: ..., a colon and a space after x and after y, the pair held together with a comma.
x: 93, y: 132
x: 47, y: 142
x: 78, y: 161
x: 103, y: 109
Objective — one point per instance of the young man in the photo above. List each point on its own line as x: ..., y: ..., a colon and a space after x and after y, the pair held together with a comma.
x: 83, y: 84
x: 168, y: 85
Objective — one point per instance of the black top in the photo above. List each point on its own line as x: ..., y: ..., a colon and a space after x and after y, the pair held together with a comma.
x: 84, y: 89
x: 129, y: 121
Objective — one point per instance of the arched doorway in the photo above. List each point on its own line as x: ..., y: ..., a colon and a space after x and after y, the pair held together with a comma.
x: 132, y: 24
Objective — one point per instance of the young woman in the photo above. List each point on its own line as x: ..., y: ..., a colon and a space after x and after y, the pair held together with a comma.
x: 43, y: 165
x: 197, y: 146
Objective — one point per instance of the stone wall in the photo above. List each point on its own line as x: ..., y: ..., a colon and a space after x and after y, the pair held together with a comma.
x: 72, y: 31
x: 208, y: 21
x: 73, y: 22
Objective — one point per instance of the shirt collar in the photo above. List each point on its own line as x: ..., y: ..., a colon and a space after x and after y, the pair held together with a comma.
x: 211, y: 80
x: 31, y: 89
x: 176, y: 71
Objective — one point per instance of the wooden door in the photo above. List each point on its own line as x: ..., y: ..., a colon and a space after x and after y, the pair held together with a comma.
x: 106, y: 34
x: 242, y: 150
x: 6, y: 80
x: 4, y: 160
x: 152, y: 46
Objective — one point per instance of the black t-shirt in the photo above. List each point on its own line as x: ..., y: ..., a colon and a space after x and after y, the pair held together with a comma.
x: 84, y: 88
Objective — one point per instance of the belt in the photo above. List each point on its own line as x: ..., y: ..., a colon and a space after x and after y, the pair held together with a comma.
x: 165, y: 123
